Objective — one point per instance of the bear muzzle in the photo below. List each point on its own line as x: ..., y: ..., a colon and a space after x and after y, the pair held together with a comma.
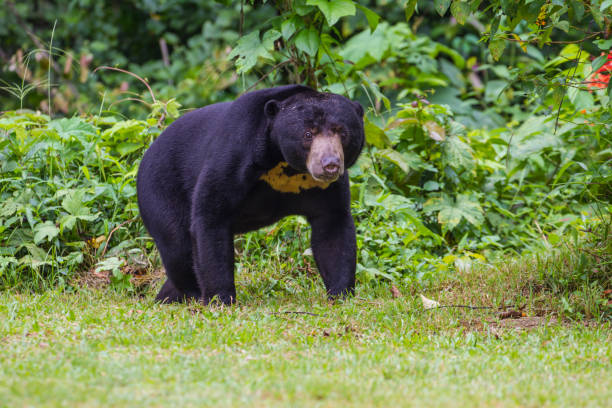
x: 325, y: 160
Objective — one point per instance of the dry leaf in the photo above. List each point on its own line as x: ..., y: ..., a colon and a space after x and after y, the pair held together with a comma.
x: 435, y: 131
x: 96, y: 242
x: 428, y: 303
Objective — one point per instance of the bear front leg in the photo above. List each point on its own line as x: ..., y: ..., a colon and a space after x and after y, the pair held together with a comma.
x: 334, y: 248
x: 213, y: 247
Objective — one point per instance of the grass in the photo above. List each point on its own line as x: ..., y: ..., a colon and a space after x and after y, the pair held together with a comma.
x: 99, y: 348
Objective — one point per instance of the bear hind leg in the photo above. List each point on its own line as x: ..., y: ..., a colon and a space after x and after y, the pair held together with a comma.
x: 174, y: 246
x: 176, y: 255
x: 170, y: 294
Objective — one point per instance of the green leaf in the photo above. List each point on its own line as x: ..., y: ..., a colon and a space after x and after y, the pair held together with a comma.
x: 570, y: 52
x: 110, y: 264
x: 37, y: 257
x: 562, y: 171
x: 460, y: 10
x: 396, y: 158
x: 458, y: 60
x: 497, y: 47
x: 605, y: 5
x: 333, y: 10
x: 73, y: 127
x: 441, y: 6
x: 494, y: 89
x: 74, y: 258
x: 5, y: 261
x: 300, y: 7
x: 67, y: 222
x: 580, y: 99
x: 494, y: 26
x: 563, y: 25
x: 373, y: 87
x: 451, y: 212
x: 375, y: 135
x: 290, y: 26
x: 604, y: 45
x: 9, y: 207
x: 244, y: 50
x: 366, y: 48
x: 77, y: 210
x: 371, y: 16
x: 250, y: 48
x: 410, y: 9
x: 599, y: 62
x: 457, y: 154
x: 44, y: 230
x: 431, y: 185
x: 172, y: 107
x: 402, y: 205
x: 126, y: 129
x: 597, y: 16
x: 308, y: 41
x: 73, y: 203
x: 127, y: 147
x: 577, y: 9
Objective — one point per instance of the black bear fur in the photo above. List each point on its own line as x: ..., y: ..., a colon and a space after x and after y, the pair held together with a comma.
x: 203, y: 180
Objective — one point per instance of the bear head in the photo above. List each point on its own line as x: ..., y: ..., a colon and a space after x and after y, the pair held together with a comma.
x: 318, y: 133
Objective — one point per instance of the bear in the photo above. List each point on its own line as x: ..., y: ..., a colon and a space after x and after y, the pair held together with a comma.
x: 233, y: 167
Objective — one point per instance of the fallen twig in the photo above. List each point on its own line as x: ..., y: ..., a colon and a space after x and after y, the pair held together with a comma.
x: 296, y: 312
x: 372, y: 302
x: 460, y: 307
x: 473, y: 307
x: 111, y: 234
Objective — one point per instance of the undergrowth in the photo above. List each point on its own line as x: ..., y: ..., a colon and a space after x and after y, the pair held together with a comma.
x: 68, y: 205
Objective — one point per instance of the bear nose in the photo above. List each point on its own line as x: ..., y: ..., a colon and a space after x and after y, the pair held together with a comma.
x: 331, y: 164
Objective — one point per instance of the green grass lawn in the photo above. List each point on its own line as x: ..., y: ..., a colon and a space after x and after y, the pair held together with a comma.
x: 100, y: 348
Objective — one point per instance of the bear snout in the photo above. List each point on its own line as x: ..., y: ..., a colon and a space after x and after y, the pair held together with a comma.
x: 331, y: 165
x: 326, y: 157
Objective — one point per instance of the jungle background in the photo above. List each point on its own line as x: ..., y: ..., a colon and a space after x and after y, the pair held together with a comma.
x: 488, y: 124
x: 482, y: 204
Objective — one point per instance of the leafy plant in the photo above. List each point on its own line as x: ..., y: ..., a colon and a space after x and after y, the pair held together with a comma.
x: 487, y: 131
x: 66, y: 184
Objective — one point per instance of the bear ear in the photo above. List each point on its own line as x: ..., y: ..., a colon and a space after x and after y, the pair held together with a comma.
x: 271, y: 108
x: 358, y: 108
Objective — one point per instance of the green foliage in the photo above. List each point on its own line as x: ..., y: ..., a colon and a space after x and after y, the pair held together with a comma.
x: 131, y: 35
x: 487, y: 131
x: 488, y: 189
x: 67, y: 185
x: 580, y: 273
x: 301, y: 40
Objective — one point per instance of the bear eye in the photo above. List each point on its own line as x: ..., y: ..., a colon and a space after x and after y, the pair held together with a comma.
x: 308, y: 136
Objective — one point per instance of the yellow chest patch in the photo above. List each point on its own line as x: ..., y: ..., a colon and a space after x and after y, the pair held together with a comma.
x: 279, y: 181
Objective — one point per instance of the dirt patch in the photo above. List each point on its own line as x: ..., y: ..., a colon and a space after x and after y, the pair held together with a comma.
x: 521, y: 323
x: 91, y: 279
x: 139, y: 277
x: 530, y: 322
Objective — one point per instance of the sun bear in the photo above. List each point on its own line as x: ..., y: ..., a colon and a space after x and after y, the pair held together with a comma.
x: 237, y: 166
